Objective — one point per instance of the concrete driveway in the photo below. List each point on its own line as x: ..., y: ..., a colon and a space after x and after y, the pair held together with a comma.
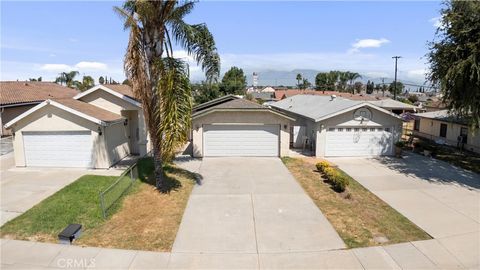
x: 440, y: 198
x: 251, y: 206
x: 22, y: 188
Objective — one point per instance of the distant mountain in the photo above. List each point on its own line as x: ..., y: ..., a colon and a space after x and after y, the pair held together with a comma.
x: 287, y: 78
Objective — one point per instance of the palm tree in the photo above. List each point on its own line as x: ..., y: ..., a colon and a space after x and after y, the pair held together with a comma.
x: 299, y: 79
x: 159, y: 80
x: 343, y: 78
x: 352, y: 76
x: 67, y: 78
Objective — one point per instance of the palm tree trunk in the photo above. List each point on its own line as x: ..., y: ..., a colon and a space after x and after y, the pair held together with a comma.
x: 158, y: 164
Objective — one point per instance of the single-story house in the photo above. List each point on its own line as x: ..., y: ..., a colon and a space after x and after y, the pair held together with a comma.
x: 446, y: 128
x: 330, y: 126
x: 335, y: 126
x: 395, y: 106
x: 94, y: 129
x: 18, y: 97
x: 231, y: 126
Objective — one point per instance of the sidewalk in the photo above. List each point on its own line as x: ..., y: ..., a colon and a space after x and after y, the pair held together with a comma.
x: 429, y: 254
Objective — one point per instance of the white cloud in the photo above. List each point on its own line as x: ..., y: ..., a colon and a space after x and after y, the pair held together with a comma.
x: 368, y: 43
x: 437, y: 22
x: 56, y: 67
x: 417, y: 74
x: 84, y: 65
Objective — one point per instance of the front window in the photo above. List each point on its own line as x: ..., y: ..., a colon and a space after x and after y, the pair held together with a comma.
x: 416, y: 125
x: 443, y: 130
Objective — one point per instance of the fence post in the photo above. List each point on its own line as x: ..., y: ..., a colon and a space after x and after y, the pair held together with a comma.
x: 102, y: 205
x: 131, y: 172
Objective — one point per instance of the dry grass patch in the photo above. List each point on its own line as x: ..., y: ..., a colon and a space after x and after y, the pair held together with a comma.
x: 148, y: 219
x: 360, y: 218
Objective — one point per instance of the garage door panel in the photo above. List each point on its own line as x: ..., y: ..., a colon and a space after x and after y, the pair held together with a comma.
x: 358, y: 143
x: 58, y: 149
x: 241, y: 140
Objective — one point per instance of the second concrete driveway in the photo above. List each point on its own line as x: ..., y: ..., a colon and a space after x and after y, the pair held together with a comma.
x: 440, y: 198
x: 251, y: 205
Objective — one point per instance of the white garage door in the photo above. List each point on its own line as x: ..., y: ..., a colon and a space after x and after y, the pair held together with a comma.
x: 58, y: 149
x: 366, y: 141
x: 240, y: 140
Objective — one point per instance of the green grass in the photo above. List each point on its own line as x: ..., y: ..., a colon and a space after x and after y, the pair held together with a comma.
x: 358, y: 216
x: 75, y: 203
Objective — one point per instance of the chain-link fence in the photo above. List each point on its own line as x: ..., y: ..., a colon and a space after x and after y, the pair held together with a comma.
x: 110, y: 196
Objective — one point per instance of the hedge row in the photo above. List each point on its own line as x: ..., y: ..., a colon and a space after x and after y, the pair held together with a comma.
x: 338, y: 179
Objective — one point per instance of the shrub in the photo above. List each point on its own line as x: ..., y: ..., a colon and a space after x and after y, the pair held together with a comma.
x: 400, y: 144
x: 339, y: 180
x: 322, y: 165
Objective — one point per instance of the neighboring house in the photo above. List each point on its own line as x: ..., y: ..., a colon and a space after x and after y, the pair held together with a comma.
x: 445, y: 128
x: 18, y: 97
x: 395, y: 106
x: 335, y: 126
x: 94, y: 129
x: 231, y: 126
x: 264, y: 96
x: 268, y: 89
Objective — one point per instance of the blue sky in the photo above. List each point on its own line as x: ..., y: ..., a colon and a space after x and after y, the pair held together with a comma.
x: 43, y: 38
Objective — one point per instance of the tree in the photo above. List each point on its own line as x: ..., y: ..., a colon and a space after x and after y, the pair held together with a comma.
x: 86, y: 83
x: 399, y: 86
x: 370, y: 86
x: 413, y: 98
x: 352, y: 76
x: 39, y: 79
x: 358, y: 86
x: 378, y: 87
x: 159, y: 80
x: 101, y: 80
x: 204, y: 91
x: 343, y: 77
x: 67, y: 78
x: 321, y: 81
x: 304, y: 85
x: 126, y: 82
x: 454, y: 58
x: 234, y: 82
x: 299, y: 78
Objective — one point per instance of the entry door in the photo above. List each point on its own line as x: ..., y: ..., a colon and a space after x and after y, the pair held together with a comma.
x: 354, y: 141
x: 241, y: 140
x: 58, y: 149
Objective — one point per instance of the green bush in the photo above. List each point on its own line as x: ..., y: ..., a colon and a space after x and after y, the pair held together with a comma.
x: 400, y: 144
x: 339, y: 180
x: 322, y: 165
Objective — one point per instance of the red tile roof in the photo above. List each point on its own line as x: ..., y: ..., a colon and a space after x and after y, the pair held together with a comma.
x: 281, y: 94
x: 15, y: 92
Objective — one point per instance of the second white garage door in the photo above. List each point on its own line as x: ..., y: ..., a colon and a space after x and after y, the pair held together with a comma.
x: 366, y: 141
x: 58, y: 149
x: 240, y: 140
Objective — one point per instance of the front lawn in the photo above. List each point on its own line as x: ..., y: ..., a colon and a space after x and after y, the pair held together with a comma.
x: 360, y: 218
x: 144, y: 219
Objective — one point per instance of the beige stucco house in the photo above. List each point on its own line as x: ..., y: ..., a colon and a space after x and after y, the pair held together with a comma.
x: 322, y: 125
x: 330, y: 126
x: 18, y: 97
x: 231, y: 126
x: 446, y: 128
x: 94, y: 129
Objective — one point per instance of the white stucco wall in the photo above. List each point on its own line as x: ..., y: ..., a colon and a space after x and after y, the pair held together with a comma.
x: 240, y: 117
x: 117, y: 142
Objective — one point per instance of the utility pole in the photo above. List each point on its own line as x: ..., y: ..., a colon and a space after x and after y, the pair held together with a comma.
x: 395, y: 81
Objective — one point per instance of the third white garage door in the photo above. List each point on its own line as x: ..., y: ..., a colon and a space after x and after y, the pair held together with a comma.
x: 240, y: 140
x: 365, y: 141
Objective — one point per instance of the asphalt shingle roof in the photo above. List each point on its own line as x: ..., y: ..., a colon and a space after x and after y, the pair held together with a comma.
x: 239, y: 104
x: 90, y: 110
x: 314, y: 107
x: 121, y: 88
x: 27, y: 92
